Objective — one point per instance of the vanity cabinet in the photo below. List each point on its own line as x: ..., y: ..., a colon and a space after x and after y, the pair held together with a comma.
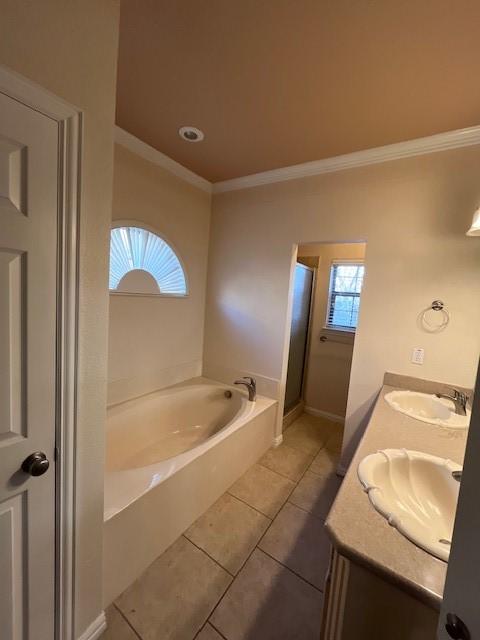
x: 360, y: 605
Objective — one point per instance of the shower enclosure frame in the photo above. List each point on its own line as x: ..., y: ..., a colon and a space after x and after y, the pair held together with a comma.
x: 289, y: 331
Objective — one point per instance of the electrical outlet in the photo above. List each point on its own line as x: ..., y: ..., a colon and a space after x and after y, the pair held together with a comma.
x: 417, y: 355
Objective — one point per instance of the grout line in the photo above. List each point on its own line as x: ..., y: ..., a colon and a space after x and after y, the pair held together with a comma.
x: 272, y: 520
x: 313, y: 455
x: 209, y: 556
x: 224, y: 592
x: 127, y: 621
x: 287, y: 446
x: 307, y: 511
x: 296, y: 483
x: 216, y: 629
x: 249, y: 505
x: 282, y: 475
x: 290, y: 569
x: 257, y: 547
x: 212, y: 611
x: 302, y: 509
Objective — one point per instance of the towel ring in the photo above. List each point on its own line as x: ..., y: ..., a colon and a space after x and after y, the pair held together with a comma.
x: 438, y: 307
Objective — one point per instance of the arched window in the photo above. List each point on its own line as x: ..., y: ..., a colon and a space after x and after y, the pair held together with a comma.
x: 141, y: 262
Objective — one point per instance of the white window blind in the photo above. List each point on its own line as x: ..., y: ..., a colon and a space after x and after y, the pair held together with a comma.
x: 134, y: 248
x: 346, y: 280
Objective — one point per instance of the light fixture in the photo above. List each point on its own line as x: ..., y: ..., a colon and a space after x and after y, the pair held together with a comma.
x: 475, y: 228
x: 191, y: 134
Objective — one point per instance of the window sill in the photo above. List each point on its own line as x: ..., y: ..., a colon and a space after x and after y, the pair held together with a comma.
x: 112, y: 292
x: 339, y: 331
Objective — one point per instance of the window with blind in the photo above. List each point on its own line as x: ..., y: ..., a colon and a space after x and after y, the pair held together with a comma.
x: 143, y: 263
x: 346, y: 280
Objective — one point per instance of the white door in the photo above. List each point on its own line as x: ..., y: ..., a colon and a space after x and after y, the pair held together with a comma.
x: 28, y: 284
x: 462, y: 590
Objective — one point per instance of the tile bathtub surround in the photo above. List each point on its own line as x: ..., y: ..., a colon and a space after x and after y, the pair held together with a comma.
x: 235, y: 574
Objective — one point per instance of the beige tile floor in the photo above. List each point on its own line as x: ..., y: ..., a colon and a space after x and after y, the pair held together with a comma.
x: 253, y: 566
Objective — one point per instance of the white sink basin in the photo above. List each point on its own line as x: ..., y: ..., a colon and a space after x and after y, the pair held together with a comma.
x: 427, y: 408
x: 416, y: 493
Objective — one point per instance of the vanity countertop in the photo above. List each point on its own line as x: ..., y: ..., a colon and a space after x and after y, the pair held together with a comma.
x: 361, y: 534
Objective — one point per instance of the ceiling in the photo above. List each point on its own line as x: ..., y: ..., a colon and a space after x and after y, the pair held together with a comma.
x: 279, y: 82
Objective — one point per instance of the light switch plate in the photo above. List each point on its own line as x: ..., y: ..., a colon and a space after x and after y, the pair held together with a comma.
x: 418, y: 355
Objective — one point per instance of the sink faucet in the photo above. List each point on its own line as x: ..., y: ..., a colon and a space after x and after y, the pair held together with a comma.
x: 251, y: 385
x: 458, y: 398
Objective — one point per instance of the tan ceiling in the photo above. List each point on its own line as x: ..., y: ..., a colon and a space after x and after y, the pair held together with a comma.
x: 279, y: 82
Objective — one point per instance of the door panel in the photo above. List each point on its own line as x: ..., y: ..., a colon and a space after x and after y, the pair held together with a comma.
x: 28, y: 292
x: 12, y: 268
x: 13, y: 175
x: 12, y: 567
x: 302, y: 294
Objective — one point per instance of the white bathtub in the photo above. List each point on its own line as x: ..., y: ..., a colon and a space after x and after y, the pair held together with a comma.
x: 169, y: 456
x: 150, y: 438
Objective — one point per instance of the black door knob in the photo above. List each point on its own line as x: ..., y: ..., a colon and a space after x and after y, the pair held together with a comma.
x: 456, y: 628
x: 36, y: 464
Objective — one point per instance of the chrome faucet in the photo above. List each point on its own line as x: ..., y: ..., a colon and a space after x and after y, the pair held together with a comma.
x: 458, y: 398
x: 251, y: 385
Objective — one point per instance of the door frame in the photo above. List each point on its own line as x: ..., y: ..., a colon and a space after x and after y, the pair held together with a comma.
x: 69, y: 120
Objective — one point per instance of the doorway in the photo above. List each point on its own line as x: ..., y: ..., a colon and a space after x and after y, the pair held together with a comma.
x: 326, y: 292
x: 39, y: 182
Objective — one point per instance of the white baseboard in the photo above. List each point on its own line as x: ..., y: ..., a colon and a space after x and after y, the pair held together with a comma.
x: 96, y: 629
x: 292, y: 415
x: 324, y: 414
x: 277, y: 441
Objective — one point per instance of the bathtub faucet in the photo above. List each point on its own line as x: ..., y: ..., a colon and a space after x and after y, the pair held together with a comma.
x: 251, y: 385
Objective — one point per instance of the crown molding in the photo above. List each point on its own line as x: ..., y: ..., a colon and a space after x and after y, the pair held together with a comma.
x: 419, y: 146
x: 147, y: 152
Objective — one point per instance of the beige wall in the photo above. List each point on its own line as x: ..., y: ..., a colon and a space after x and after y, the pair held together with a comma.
x: 328, y: 363
x: 412, y: 213
x: 70, y: 48
x: 154, y: 341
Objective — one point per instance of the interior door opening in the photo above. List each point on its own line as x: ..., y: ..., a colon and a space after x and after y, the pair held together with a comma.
x: 326, y: 292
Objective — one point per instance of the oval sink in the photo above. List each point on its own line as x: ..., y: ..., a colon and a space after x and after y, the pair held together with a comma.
x: 427, y: 408
x: 416, y: 493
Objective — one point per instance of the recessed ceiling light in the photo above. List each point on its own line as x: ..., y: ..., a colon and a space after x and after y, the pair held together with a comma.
x: 191, y: 134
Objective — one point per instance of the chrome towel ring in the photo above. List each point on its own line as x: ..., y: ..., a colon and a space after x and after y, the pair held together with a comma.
x: 427, y: 317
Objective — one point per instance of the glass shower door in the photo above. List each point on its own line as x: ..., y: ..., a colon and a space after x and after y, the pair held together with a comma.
x: 302, y: 296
